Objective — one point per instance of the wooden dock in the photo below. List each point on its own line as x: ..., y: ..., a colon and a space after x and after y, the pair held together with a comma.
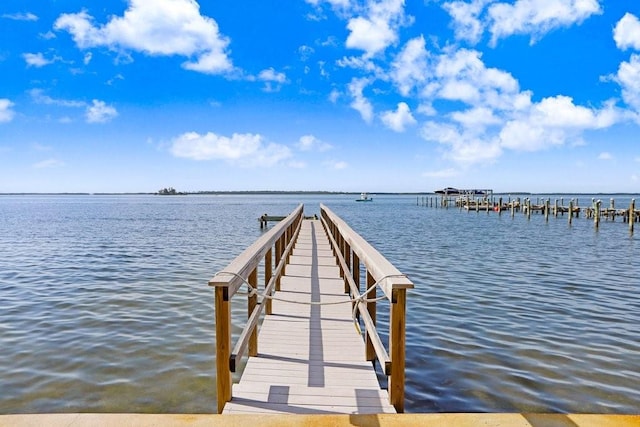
x: 309, y: 356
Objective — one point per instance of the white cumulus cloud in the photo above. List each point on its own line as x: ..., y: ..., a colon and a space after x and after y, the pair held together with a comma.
x: 378, y: 28
x: 537, y: 17
x: 310, y: 142
x: 36, y: 60
x: 462, y: 146
x: 627, y: 32
x: 462, y: 76
x: 21, y: 16
x: 628, y: 77
x: 555, y: 121
x: 100, y: 112
x: 477, y: 117
x: 40, y: 97
x: 467, y: 24
x: 497, y: 115
x: 6, y: 111
x: 333, y: 3
x: 246, y: 149
x: 272, y: 79
x: 410, y: 68
x: 398, y: 120
x: 359, y: 102
x: 160, y: 27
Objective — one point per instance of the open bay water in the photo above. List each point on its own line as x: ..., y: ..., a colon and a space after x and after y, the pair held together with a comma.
x: 104, y: 303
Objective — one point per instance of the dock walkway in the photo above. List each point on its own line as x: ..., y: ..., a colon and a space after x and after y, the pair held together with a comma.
x: 311, y: 358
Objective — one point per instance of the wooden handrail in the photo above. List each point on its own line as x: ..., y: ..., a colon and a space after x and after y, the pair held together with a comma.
x: 377, y: 264
x: 226, y: 284
x: 381, y: 352
x: 251, y: 257
x: 394, y: 285
x: 243, y: 340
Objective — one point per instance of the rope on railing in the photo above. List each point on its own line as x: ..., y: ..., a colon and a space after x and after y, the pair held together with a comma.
x: 253, y: 291
x: 362, y: 298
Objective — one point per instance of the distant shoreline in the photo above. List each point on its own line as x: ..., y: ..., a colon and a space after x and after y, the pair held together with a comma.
x: 316, y: 192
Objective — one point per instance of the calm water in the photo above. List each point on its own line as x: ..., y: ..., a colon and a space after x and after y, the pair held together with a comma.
x: 104, y: 303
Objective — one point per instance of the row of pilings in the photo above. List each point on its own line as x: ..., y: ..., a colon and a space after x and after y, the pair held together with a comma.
x: 597, y: 212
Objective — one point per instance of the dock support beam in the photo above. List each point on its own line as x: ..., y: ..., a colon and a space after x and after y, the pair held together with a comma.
x: 223, y: 346
x: 371, y: 308
x: 397, y: 349
x: 251, y: 305
x: 268, y: 274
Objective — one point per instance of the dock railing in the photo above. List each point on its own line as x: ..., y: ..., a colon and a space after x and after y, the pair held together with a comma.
x: 352, y: 250
x: 276, y: 243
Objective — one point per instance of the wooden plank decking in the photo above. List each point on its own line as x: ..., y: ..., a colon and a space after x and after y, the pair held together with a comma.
x: 311, y: 359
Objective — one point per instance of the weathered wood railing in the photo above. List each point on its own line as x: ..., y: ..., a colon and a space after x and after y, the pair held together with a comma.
x: 351, y: 250
x: 277, y: 243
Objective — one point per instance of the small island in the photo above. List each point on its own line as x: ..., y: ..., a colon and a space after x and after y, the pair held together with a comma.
x: 169, y: 191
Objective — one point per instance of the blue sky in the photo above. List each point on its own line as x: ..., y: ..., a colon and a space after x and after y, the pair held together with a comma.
x: 338, y: 95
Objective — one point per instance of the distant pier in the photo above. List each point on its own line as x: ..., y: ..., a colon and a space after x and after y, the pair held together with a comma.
x: 488, y: 202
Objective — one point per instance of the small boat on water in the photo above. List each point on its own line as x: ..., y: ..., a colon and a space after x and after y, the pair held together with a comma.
x: 364, y: 197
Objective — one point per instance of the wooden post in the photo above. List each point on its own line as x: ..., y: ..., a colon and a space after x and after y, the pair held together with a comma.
x: 397, y: 326
x: 596, y: 218
x: 632, y: 214
x: 223, y: 346
x: 500, y: 206
x: 355, y: 271
x: 477, y: 204
x: 546, y: 209
x: 251, y: 304
x: 268, y: 274
x: 570, y: 210
x: 371, y: 308
x: 347, y: 260
x: 555, y: 208
x: 278, y: 258
x: 528, y: 208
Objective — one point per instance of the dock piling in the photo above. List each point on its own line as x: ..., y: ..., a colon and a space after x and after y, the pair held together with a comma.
x: 546, y: 210
x: 570, y: 211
